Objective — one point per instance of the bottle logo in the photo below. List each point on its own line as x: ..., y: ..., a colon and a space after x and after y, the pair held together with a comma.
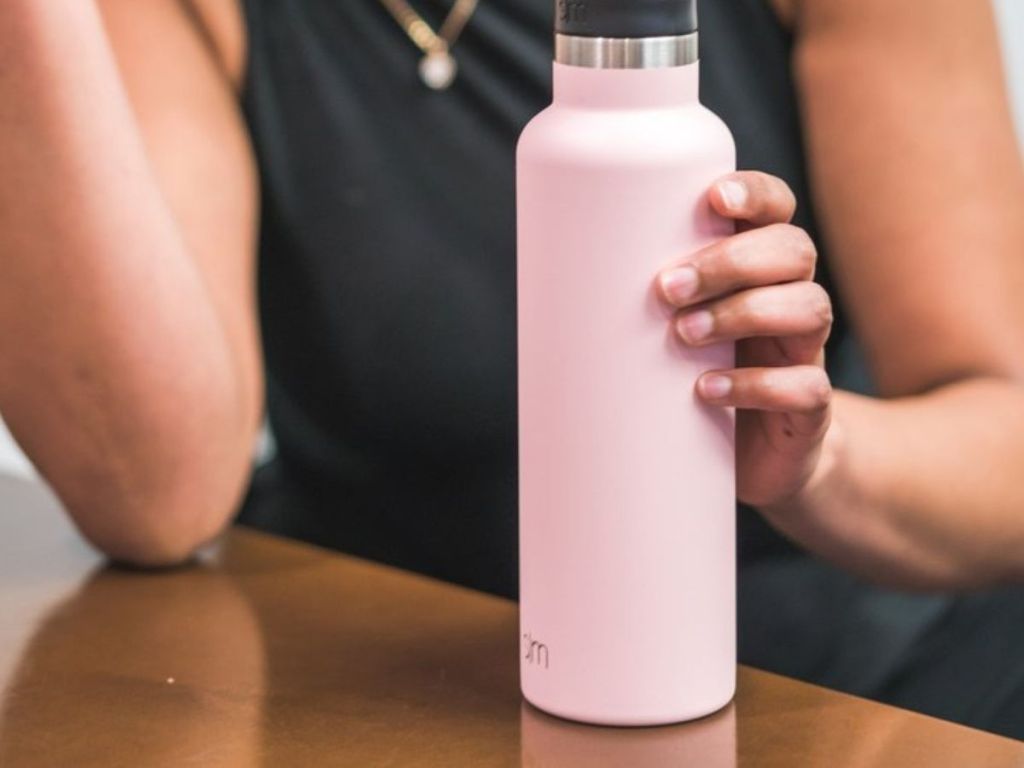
x: 574, y: 11
x: 535, y: 652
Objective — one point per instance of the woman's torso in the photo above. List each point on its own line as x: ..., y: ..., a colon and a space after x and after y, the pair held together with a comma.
x: 387, y: 262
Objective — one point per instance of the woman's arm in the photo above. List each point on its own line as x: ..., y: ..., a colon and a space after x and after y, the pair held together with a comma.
x: 919, y: 185
x: 128, y: 346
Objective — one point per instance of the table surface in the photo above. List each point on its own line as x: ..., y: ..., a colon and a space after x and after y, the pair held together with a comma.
x: 273, y: 653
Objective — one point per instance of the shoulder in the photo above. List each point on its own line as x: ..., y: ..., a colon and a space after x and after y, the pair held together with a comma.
x: 221, y: 23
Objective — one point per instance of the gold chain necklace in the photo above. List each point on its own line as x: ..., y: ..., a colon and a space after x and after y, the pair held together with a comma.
x: 437, y: 67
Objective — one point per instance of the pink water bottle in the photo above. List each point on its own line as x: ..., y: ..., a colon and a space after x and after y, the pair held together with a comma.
x: 627, y: 481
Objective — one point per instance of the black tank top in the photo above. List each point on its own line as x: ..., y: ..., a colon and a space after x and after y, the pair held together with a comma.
x: 387, y: 263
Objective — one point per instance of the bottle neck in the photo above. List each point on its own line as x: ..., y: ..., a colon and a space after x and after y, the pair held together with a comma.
x: 651, y: 88
x: 627, y: 52
x: 626, y: 72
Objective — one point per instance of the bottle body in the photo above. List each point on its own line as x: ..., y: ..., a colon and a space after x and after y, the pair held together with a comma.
x: 627, y: 481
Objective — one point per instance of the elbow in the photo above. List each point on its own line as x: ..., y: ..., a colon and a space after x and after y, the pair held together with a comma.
x: 161, y: 523
x: 149, y: 544
x: 152, y: 466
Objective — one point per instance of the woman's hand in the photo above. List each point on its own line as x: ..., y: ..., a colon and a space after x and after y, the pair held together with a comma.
x: 756, y: 288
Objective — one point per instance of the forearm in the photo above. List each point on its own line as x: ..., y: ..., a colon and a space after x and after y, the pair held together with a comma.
x: 115, y: 371
x: 921, y: 492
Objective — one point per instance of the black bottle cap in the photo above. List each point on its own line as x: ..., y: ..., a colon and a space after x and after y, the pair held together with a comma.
x: 625, y: 18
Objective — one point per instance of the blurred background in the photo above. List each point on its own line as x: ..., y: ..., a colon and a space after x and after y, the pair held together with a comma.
x: 1011, y: 19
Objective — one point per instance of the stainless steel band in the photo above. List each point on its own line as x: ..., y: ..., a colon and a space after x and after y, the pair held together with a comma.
x: 626, y: 52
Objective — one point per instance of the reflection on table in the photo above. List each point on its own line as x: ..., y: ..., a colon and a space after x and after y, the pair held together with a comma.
x: 270, y: 653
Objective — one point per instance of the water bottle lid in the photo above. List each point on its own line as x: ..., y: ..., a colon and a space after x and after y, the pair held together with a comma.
x: 625, y: 18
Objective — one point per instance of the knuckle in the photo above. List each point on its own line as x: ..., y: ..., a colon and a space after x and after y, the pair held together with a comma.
x: 757, y: 182
x: 766, y: 183
x: 821, y: 305
x: 818, y: 390
x: 791, y: 201
x: 776, y: 191
x: 803, y: 248
x: 797, y: 245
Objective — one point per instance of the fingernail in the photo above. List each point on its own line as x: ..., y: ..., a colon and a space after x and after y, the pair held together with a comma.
x: 715, y: 386
x: 680, y: 285
x: 695, y: 326
x: 734, y: 194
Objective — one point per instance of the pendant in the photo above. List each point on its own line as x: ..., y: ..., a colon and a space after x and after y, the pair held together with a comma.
x: 437, y: 70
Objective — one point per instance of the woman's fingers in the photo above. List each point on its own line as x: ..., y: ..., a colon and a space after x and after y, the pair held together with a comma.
x: 798, y: 389
x: 757, y: 287
x: 789, y: 310
x: 779, y: 253
x: 754, y: 197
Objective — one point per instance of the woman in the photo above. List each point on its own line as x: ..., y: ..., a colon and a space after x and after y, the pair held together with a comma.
x: 149, y: 151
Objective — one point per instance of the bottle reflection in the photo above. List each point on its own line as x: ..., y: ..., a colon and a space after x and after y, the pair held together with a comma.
x: 549, y: 742
x: 179, y: 681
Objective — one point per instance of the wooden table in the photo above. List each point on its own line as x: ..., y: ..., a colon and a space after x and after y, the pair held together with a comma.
x: 271, y: 653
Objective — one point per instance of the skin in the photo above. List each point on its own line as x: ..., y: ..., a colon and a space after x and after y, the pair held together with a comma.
x: 149, y: 327
x: 129, y: 363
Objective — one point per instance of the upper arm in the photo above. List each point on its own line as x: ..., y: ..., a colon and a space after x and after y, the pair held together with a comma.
x: 177, y: 59
x: 918, y: 183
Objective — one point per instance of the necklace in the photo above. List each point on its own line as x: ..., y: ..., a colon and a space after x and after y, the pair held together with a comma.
x: 437, y: 67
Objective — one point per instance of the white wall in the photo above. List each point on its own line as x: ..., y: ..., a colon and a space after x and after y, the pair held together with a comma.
x: 1011, y: 16
x: 11, y: 459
